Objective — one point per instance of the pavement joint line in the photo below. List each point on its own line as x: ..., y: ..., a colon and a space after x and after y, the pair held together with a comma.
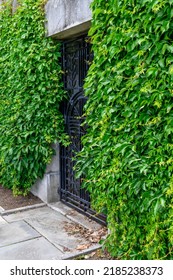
x: 32, y: 227
x: 22, y: 209
x: 20, y: 241
x: 41, y: 235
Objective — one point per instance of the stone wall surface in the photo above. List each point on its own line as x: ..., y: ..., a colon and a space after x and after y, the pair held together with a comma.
x: 66, y: 18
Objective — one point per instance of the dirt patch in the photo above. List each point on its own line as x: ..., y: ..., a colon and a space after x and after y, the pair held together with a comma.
x: 8, y: 201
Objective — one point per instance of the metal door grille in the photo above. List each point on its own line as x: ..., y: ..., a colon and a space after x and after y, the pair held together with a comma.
x: 76, y: 57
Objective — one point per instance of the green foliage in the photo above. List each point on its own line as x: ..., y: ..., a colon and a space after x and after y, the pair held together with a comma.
x: 30, y: 94
x: 127, y: 156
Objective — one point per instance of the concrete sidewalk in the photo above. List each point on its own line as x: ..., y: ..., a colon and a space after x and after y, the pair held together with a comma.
x: 46, y: 232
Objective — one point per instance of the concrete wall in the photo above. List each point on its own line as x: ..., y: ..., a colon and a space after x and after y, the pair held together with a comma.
x: 67, y: 18
x: 47, y: 187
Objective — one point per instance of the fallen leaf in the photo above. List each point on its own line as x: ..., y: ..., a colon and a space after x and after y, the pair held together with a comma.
x: 83, y: 247
x: 65, y: 249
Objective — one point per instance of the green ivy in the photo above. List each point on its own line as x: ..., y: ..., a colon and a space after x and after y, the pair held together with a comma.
x: 30, y: 94
x: 127, y: 155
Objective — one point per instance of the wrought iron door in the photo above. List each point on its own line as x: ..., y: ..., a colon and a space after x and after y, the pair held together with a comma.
x: 76, y: 57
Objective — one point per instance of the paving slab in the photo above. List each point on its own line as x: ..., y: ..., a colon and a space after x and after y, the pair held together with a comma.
x: 75, y: 216
x: 16, y: 232
x: 35, y: 249
x: 57, y: 229
x: 18, y: 216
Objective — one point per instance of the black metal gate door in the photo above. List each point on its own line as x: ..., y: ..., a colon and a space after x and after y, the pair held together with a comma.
x: 76, y: 56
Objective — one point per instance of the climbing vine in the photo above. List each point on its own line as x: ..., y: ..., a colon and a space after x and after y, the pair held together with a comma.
x: 30, y: 94
x: 127, y: 155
